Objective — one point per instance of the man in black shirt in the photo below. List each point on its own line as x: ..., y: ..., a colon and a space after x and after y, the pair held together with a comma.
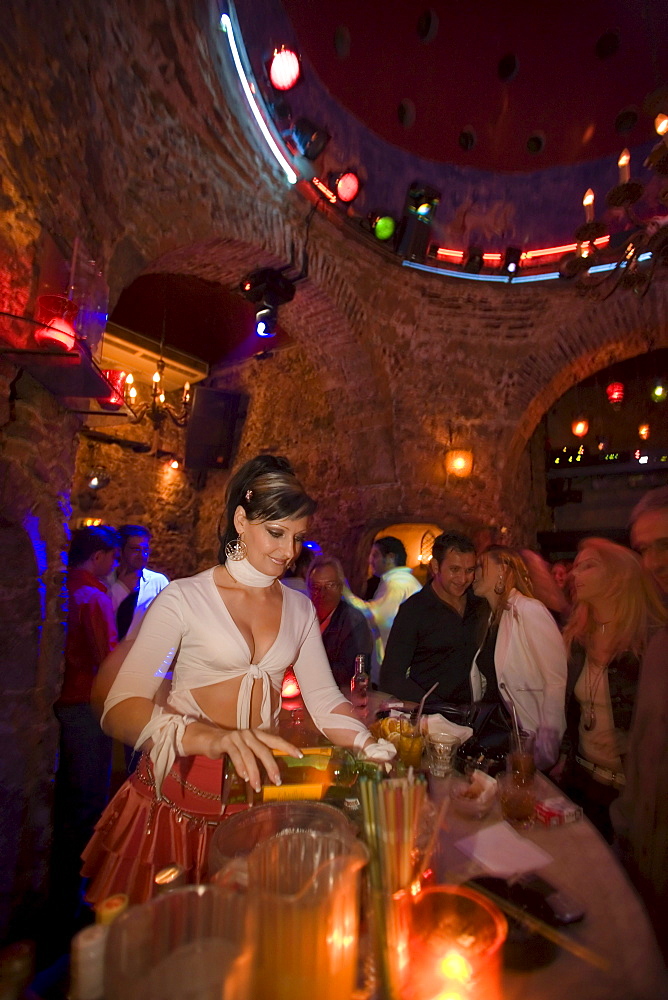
x: 437, y: 631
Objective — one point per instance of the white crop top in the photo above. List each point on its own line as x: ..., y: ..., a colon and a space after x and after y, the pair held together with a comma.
x: 188, y: 629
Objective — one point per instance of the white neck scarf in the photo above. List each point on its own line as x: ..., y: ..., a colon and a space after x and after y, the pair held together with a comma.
x: 245, y: 574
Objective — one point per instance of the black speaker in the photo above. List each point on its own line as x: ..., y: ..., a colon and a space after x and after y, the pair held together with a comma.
x: 214, y: 428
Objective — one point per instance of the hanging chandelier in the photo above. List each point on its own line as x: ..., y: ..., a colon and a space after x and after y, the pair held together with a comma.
x: 157, y: 411
x: 630, y: 262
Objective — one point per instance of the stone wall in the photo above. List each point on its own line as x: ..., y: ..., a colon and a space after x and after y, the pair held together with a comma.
x: 115, y: 129
x: 37, y: 448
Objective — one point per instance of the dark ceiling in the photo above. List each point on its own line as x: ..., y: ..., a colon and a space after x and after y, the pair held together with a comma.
x: 508, y: 71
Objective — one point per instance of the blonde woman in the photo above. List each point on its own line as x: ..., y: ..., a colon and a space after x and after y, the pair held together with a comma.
x: 522, y: 656
x: 616, y: 607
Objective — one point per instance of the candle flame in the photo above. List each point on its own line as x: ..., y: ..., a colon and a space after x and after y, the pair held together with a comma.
x: 661, y: 124
x: 454, y: 966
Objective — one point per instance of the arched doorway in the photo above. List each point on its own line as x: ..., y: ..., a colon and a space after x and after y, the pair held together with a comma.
x: 605, y: 445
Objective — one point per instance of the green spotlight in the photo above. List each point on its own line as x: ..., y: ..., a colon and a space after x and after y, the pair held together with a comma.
x: 383, y: 227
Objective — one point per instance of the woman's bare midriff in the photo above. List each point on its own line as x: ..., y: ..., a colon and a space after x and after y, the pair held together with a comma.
x: 219, y: 702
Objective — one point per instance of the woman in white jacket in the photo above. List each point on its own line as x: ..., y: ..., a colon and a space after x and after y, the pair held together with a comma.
x: 523, y: 653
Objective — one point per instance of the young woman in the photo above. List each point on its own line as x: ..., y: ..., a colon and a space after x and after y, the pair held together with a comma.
x: 228, y: 634
x: 522, y: 655
x: 616, y: 606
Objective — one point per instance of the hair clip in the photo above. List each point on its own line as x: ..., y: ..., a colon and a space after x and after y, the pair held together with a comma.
x: 249, y: 494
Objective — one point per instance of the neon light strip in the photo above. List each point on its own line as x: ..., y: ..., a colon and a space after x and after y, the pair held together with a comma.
x: 323, y: 189
x: 454, y: 255
x: 458, y: 255
x: 554, y: 251
x: 505, y: 279
x: 226, y: 25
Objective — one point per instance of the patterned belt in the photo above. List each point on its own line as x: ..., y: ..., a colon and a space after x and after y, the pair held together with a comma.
x: 602, y: 774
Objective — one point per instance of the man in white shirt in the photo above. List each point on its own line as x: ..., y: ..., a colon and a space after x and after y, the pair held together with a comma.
x: 133, y: 586
x: 387, y: 560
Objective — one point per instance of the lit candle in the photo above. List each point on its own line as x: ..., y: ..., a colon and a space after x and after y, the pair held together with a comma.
x: 661, y: 126
x: 624, y: 166
x: 588, y: 202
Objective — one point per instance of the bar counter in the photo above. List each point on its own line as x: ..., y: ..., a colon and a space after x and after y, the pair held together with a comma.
x: 615, y: 926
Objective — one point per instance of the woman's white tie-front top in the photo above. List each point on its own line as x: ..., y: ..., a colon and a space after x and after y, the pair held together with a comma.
x: 189, y: 630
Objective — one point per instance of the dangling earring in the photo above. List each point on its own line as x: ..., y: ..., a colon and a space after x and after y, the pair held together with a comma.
x: 498, y: 586
x: 236, y: 550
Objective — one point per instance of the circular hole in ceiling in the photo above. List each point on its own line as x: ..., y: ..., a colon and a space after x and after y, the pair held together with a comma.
x: 342, y: 41
x: 427, y: 25
x: 467, y: 138
x: 608, y: 44
x: 508, y: 67
x: 406, y: 113
x: 626, y: 120
x: 536, y: 142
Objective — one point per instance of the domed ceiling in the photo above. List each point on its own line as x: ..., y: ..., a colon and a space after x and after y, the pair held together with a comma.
x: 514, y: 86
x: 509, y: 111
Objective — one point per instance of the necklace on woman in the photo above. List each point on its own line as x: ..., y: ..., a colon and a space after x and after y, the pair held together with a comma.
x: 602, y: 625
x: 592, y: 690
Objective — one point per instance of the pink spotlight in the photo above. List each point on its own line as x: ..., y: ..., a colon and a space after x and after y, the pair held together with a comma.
x: 347, y: 186
x: 285, y: 69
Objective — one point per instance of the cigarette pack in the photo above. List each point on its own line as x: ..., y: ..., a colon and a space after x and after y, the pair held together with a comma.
x: 557, y: 811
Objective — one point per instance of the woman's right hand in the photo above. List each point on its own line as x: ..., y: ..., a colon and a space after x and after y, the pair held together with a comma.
x: 245, y: 747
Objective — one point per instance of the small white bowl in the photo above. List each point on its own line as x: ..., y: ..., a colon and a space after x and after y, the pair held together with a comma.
x: 472, y: 795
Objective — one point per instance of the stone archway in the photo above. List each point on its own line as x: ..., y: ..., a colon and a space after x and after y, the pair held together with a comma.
x: 600, y: 335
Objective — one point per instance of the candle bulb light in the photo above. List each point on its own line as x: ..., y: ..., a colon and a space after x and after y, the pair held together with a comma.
x: 661, y: 126
x: 588, y: 202
x: 623, y: 163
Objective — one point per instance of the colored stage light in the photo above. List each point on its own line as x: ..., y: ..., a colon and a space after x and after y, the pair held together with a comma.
x: 285, y: 70
x: 309, y: 139
x: 383, y: 226
x: 347, y: 186
x: 511, y: 261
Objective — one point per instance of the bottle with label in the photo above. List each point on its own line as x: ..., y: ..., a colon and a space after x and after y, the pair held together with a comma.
x: 359, y: 685
x: 322, y: 773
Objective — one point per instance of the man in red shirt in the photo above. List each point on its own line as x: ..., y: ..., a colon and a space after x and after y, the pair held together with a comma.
x: 84, y: 764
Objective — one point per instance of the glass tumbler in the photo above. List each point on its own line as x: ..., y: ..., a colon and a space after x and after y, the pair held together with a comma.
x: 411, y: 741
x: 517, y: 797
x: 441, y: 749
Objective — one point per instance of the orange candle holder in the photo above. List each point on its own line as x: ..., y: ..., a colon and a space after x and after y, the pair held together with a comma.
x: 455, y: 944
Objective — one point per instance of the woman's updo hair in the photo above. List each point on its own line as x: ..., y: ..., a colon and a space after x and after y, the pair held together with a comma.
x: 268, y: 490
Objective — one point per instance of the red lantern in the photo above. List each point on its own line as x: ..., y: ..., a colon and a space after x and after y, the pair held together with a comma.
x: 57, y: 313
x: 615, y: 393
x: 116, y: 398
